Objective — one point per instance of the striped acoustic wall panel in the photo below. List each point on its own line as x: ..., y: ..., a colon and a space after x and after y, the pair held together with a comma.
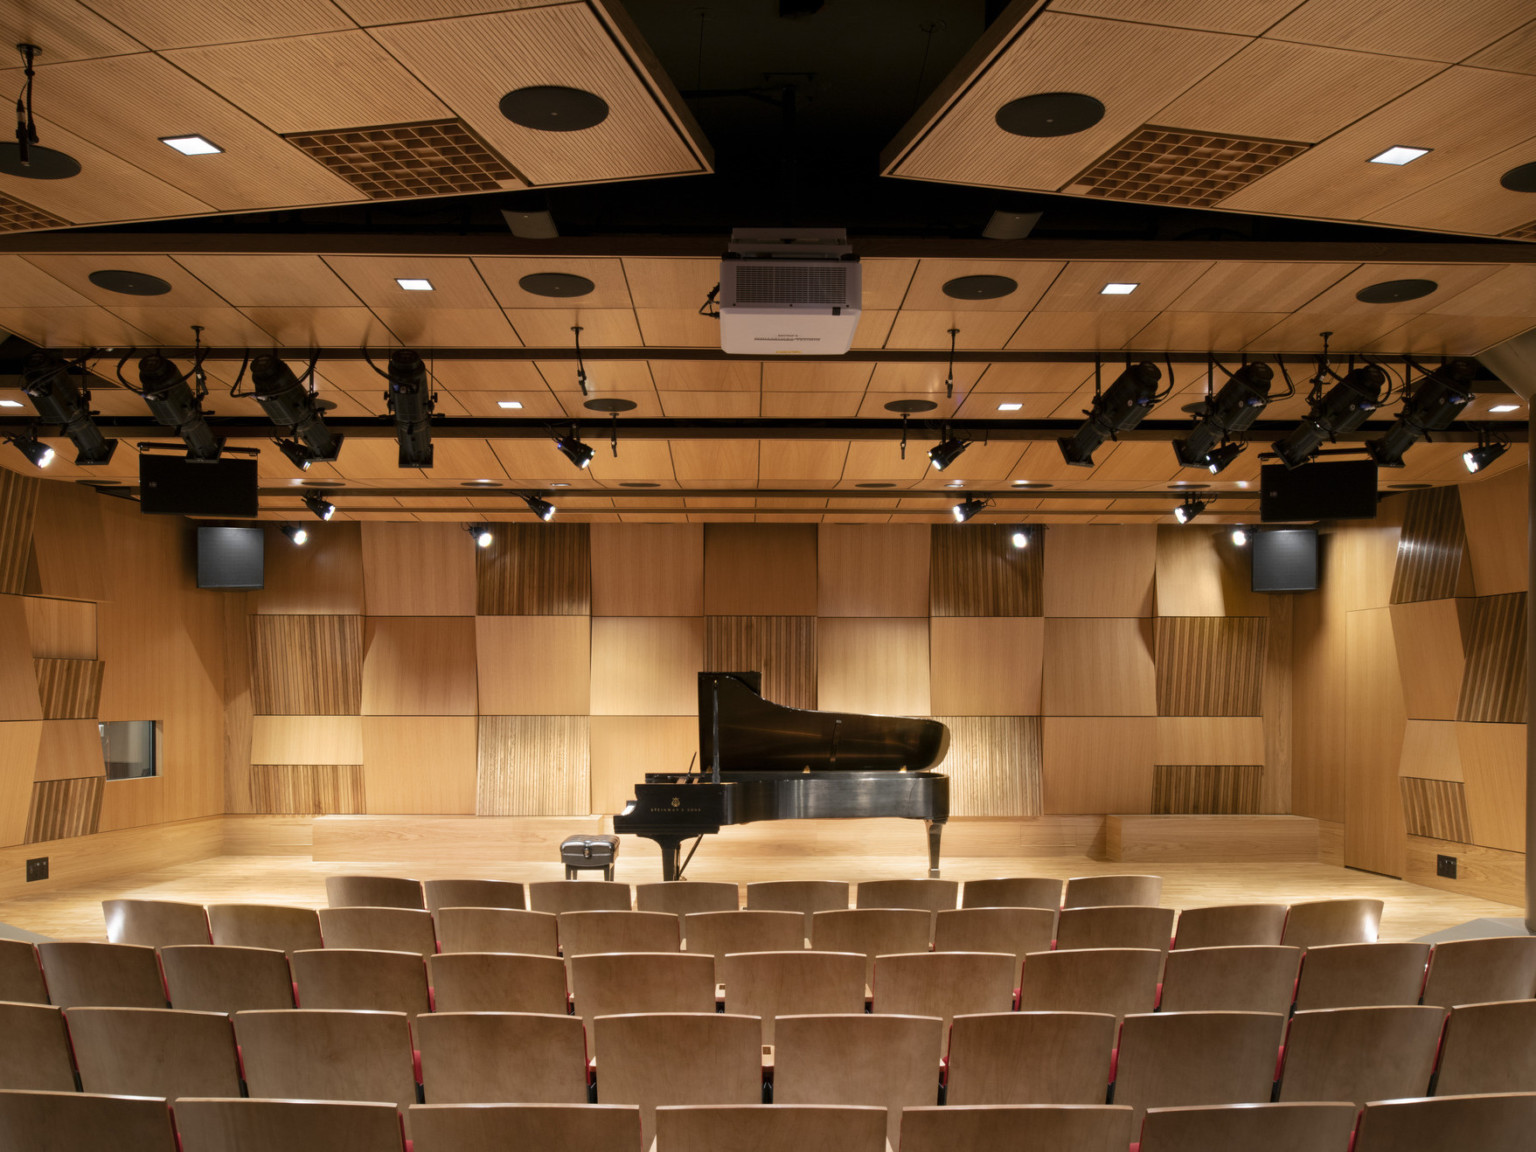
x: 64, y: 808
x: 1493, y: 688
x: 1436, y: 808
x: 535, y: 570
x: 534, y: 766
x: 1210, y: 665
x: 1432, y: 549
x: 782, y: 648
x: 308, y: 789
x: 18, y: 508
x: 993, y: 765
x: 306, y: 665
x: 69, y: 689
x: 1206, y: 789
x: 974, y: 570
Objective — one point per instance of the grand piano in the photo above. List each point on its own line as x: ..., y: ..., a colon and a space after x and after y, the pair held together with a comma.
x: 765, y: 761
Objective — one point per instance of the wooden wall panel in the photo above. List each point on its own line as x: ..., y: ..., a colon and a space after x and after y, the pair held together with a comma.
x: 419, y: 764
x: 1210, y: 666
x: 132, y: 803
x: 1495, y: 513
x: 1374, y: 832
x: 18, y: 508
x: 65, y: 534
x: 306, y: 665
x: 1098, y: 667
x: 306, y: 740
x: 1430, y: 658
x: 760, y: 569
x: 646, y: 665
x: 993, y: 765
x: 1095, y: 765
x: 1319, y: 651
x: 534, y: 665
x: 418, y: 569
x: 308, y: 789
x: 534, y: 570
x: 1100, y: 570
x: 1430, y: 751
x: 873, y: 666
x: 782, y: 648
x: 64, y: 808
x: 976, y: 571
x: 625, y: 748
x: 18, y: 770
x: 873, y: 570
x: 1365, y: 558
x: 1278, y: 706
x: 70, y: 749
x: 61, y: 629
x: 1200, y: 572
x: 533, y: 766
x: 1209, y: 740
x: 1493, y: 686
x: 1207, y: 789
x: 324, y: 576
x: 69, y: 689
x: 419, y: 666
x: 18, y: 678
x: 239, y: 716
x: 986, y: 665
x: 1435, y: 808
x: 647, y: 569
x: 1493, y: 767
x: 1432, y: 550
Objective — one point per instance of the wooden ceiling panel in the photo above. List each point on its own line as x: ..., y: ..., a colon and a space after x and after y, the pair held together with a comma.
x: 366, y: 459
x: 173, y: 326
x: 70, y: 30
x: 811, y: 405
x: 316, y: 327
x: 677, y: 328
x: 792, y: 461
x: 421, y: 328
x: 824, y: 375
x: 600, y: 327
x: 1194, y: 330
x: 1144, y: 461
x: 1469, y: 200
x: 503, y: 273
x: 1515, y: 53
x: 926, y: 292
x: 714, y: 460
x: 670, y: 283
x: 1068, y: 330
x: 881, y: 460
x: 1452, y: 279
x: 1080, y: 286
x: 74, y: 271
x: 874, y: 328
x: 708, y: 375
x: 1031, y: 378
x: 981, y: 461
x: 24, y: 285
x: 1247, y: 17
x: 923, y: 378
x: 647, y: 405
x: 643, y: 460
x: 931, y: 329
x: 166, y: 24
x: 1034, y: 405
x: 1301, y: 332
x: 603, y: 377
x: 873, y: 404
x: 1451, y: 335
x: 885, y: 282
x: 1425, y: 29
x: 370, y: 12
x: 453, y: 458
x: 1511, y: 291
x: 288, y: 280
x: 483, y: 405
x: 375, y: 280
x: 1258, y: 286
x: 711, y: 405
x: 515, y: 378
x: 1042, y: 462
x: 535, y: 459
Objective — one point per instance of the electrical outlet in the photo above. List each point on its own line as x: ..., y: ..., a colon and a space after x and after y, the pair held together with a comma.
x: 1445, y: 866
x: 37, y: 869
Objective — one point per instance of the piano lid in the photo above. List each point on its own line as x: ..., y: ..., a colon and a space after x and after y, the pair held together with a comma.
x: 757, y: 735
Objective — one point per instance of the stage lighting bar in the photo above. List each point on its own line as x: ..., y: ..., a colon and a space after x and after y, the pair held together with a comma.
x: 289, y: 404
x: 45, y: 380
x: 411, y: 401
x: 173, y: 403
x: 1120, y: 408
x: 1234, y: 408
x: 1343, y: 408
x: 1436, y: 402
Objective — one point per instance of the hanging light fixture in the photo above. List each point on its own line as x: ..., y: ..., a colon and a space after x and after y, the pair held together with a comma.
x: 543, y: 509
x: 574, y: 449
x: 319, y: 505
x: 40, y: 454
x: 299, y: 535
x: 968, y: 508
x: 1188, y: 510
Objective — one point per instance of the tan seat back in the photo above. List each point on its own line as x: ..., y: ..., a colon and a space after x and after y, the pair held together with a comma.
x: 1016, y: 931
x: 625, y: 983
x: 770, y: 1128
x: 21, y: 976
x: 155, y: 923
x: 934, y: 895
x: 379, y: 929
x: 1489, y: 1048
x: 872, y: 931
x: 807, y: 896
x: 719, y: 933
x: 373, y: 892
x: 34, y: 1055
x: 1119, y: 981
x: 347, y: 979
x: 1172, y: 1059
x: 497, y: 982
x: 944, y: 984
x: 213, y: 978
x: 1016, y: 1128
x: 1449, y: 1124
x: 1357, y: 975
x: 792, y: 983
x: 1099, y: 891
x: 287, y: 1126
x: 1332, y: 922
x: 1231, y: 925
x: 683, y: 897
x: 154, y: 1052
x: 1115, y: 926
x: 489, y: 1127
x: 109, y: 975
x: 1482, y: 971
x: 303, y: 1054
x: 1244, y: 978
x: 70, y: 1120
x: 265, y: 926
x: 441, y: 894
x: 587, y: 933
x: 1360, y: 1054
x: 491, y: 1057
x: 1031, y: 1058
x: 578, y: 896
x: 1251, y: 1127
x: 1012, y: 892
x: 497, y: 930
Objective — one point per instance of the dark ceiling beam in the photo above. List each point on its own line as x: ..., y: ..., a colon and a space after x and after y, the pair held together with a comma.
x: 512, y: 492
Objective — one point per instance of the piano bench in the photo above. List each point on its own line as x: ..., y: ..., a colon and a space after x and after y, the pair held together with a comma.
x: 589, y: 851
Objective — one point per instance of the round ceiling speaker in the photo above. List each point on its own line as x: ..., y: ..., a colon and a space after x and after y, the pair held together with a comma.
x: 1395, y: 291
x: 549, y: 108
x: 1050, y: 114
x: 609, y: 404
x: 980, y: 287
x: 637, y: 484
x: 910, y: 407
x: 559, y: 284
x: 876, y: 484
x: 1521, y: 179
x: 42, y: 163
x: 129, y: 283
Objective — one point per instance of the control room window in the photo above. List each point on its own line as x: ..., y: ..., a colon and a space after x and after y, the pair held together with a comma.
x: 131, y: 748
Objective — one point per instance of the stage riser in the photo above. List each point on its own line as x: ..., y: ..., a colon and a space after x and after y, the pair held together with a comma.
x: 1211, y: 839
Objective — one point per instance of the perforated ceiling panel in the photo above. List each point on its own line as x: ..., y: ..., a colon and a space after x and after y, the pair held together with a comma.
x: 19, y: 216
x: 396, y: 160
x: 1524, y: 232
x: 1188, y: 169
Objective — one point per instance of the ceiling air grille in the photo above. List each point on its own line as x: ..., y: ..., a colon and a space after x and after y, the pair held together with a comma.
x: 1524, y: 232
x: 396, y: 160
x: 1188, y: 169
x: 791, y: 283
x: 19, y: 216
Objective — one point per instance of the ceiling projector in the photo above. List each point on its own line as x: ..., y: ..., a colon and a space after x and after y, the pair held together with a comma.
x: 785, y: 292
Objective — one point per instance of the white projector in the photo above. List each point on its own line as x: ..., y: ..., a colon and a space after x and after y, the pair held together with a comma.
x: 783, y: 293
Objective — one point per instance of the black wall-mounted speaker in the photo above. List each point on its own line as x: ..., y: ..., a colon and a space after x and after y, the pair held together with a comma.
x: 176, y: 486
x: 1345, y: 490
x: 1285, y: 560
x: 231, y: 558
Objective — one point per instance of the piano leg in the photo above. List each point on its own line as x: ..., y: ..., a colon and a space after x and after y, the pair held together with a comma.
x: 935, y: 830
x: 670, y: 846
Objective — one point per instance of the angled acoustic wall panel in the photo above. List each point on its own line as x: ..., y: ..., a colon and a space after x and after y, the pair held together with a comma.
x: 1493, y: 688
x: 1432, y: 550
x: 782, y: 648
x: 69, y: 689
x: 64, y: 808
x: 306, y: 665
x: 1210, y: 666
x: 1436, y: 808
x: 535, y: 570
x: 18, y: 507
x: 308, y: 789
x: 993, y: 765
x: 1207, y: 789
x: 976, y: 571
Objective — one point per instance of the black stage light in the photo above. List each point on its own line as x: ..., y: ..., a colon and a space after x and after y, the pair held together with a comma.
x: 964, y: 511
x: 45, y: 380
x: 1118, y: 409
x: 298, y: 455
x: 320, y: 506
x: 33, y: 449
x: 289, y: 404
x: 1188, y: 510
x: 173, y: 403
x: 1217, y: 459
x: 577, y: 451
x: 481, y: 533
x: 411, y: 399
x: 1476, y: 459
x: 1020, y: 538
x: 297, y: 534
x: 1342, y: 409
x: 543, y: 509
x: 1240, y: 536
x: 1436, y: 401
x: 946, y: 452
x: 1234, y: 408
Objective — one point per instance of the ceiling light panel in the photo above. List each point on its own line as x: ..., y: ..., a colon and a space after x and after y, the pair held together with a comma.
x: 1400, y: 155
x: 1010, y: 406
x: 1118, y: 289
x: 509, y: 403
x: 192, y: 145
x: 413, y: 285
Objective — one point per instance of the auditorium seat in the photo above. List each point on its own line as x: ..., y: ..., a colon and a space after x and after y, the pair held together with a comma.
x: 934, y: 895
x: 373, y: 892
x: 1332, y: 922
x: 1115, y: 926
x: 1244, y: 978
x: 1230, y: 925
x: 872, y: 931
x: 497, y: 1127
x: 1012, y: 892
x: 67, y: 1121
x: 944, y: 984
x: 265, y: 926
x: 154, y: 1052
x: 1031, y: 1058
x: 316, y: 1055
x: 1016, y: 931
x: 719, y: 933
x: 1359, y: 975
x: 84, y: 974
x: 807, y: 896
x: 792, y: 983
x: 380, y: 929
x: 361, y: 980
x: 587, y: 933
x: 770, y: 1128
x: 1309, y: 1127
x: 21, y: 975
x: 497, y: 982
x: 1172, y: 1059
x: 233, y: 1125
x: 1481, y: 971
x: 155, y: 923
x: 578, y: 896
x: 681, y: 897
x: 613, y: 984
x: 884, y: 1061
x: 653, y: 1059
x: 497, y: 930
x: 1489, y: 1048
x: 1360, y: 1054
x: 34, y: 1054
x: 1501, y: 1123
x: 491, y: 1057
x: 1098, y: 891
x: 440, y: 894
x: 214, y: 978
x: 1119, y: 981
x: 1027, y: 1128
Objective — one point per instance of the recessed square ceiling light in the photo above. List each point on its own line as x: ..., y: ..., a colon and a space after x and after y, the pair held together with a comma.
x: 192, y: 145
x: 1495, y: 408
x: 17, y: 404
x: 1009, y: 406
x: 411, y: 285
x: 509, y: 403
x: 1400, y: 155
x: 1118, y: 289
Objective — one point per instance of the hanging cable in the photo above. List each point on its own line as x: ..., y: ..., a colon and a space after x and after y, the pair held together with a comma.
x: 581, y: 369
x: 1290, y: 385
x: 709, y: 307
x: 26, y: 128
x: 949, y: 381
x: 903, y: 435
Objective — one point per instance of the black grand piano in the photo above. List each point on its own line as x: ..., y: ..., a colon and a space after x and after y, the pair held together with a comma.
x: 764, y: 761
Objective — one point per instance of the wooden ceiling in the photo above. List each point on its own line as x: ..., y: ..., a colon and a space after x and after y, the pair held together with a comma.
x: 1343, y: 79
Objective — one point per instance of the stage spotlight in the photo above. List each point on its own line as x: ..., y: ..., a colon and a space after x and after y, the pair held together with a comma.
x: 298, y: 455
x: 288, y: 403
x: 1234, y: 408
x: 1476, y: 459
x: 481, y: 533
x: 173, y: 403
x: 1342, y: 409
x: 1019, y: 539
x: 1436, y: 401
x: 543, y: 509
x: 296, y: 533
x: 45, y: 380
x: 33, y: 449
x: 411, y: 399
x: 320, y: 506
x: 946, y: 452
x: 576, y: 450
x: 1240, y: 537
x: 1118, y: 409
x: 1188, y: 510
x: 964, y: 511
